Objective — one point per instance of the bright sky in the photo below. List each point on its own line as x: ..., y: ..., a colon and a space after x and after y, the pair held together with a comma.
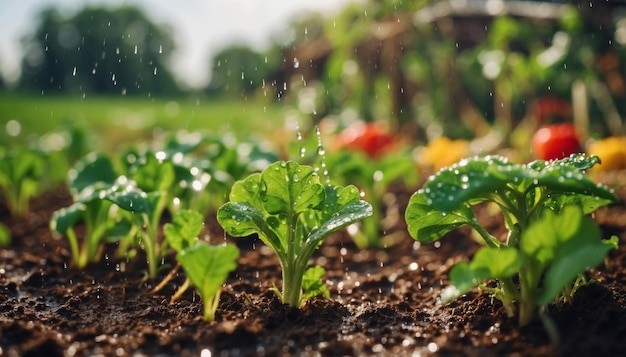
x: 202, y: 27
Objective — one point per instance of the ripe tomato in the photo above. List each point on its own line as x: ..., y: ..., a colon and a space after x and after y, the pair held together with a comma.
x: 555, y: 142
x: 369, y: 138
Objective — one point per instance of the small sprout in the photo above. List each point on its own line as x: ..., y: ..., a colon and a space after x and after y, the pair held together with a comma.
x: 208, y: 267
x: 21, y: 173
x: 292, y: 213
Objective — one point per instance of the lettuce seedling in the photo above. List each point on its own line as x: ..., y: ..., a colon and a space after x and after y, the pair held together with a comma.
x: 207, y: 266
x: 21, y: 172
x: 373, y: 177
x: 292, y: 213
x: 95, y: 189
x: 550, y: 241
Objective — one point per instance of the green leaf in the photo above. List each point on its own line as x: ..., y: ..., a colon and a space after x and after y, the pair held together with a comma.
x: 350, y: 213
x: 562, y: 246
x: 208, y: 266
x: 481, y: 178
x: 239, y: 219
x: 131, y: 199
x: 290, y: 187
x: 184, y: 229
x: 312, y: 283
x: 427, y: 224
x: 65, y: 218
x: 488, y: 263
x: 94, y: 168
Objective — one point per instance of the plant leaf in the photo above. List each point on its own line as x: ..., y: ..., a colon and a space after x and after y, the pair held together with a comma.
x: 94, y: 168
x: 312, y: 283
x: 184, y: 229
x: 65, y: 218
x: 561, y: 247
x: 208, y: 266
x: 476, y: 179
x: 427, y: 224
x: 290, y: 187
x: 488, y: 263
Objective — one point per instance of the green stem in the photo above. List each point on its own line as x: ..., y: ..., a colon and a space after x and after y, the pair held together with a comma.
x: 508, y: 296
x: 488, y: 238
x: 527, y: 304
x: 73, y: 240
x: 210, y: 305
x: 149, y: 241
x: 292, y: 283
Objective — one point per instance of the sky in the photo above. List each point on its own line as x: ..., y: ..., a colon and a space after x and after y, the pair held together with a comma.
x: 202, y: 27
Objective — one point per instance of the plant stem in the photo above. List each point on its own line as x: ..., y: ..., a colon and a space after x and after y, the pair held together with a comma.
x: 292, y: 283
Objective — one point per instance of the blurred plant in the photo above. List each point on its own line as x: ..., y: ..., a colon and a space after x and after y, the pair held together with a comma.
x: 95, y: 188
x: 22, y: 174
x: 5, y: 235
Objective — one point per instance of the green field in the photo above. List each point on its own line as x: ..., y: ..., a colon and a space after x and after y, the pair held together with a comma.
x: 116, y: 120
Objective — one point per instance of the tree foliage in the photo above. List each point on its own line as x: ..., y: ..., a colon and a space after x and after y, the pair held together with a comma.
x: 98, y: 50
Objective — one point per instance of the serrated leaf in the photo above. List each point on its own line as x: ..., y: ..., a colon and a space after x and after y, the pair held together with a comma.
x: 290, y: 187
x: 184, y: 229
x: 312, y: 283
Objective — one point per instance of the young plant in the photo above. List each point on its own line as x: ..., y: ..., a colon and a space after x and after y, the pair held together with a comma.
x: 21, y: 172
x: 292, y: 213
x: 207, y: 266
x: 373, y: 177
x: 96, y: 190
x: 550, y: 242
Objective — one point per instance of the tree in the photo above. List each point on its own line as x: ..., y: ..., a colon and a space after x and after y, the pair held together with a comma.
x: 238, y: 70
x: 98, y: 50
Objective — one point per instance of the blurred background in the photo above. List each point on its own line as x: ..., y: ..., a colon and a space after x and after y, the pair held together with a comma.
x: 487, y: 70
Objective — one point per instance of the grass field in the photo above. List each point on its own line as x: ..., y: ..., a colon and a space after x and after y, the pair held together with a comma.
x: 116, y: 120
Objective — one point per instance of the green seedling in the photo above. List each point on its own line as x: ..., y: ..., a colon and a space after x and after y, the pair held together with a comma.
x: 21, y: 174
x: 373, y: 177
x: 96, y: 189
x: 207, y: 266
x: 292, y: 213
x: 550, y: 242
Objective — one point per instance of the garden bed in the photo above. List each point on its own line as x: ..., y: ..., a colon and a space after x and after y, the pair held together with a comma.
x: 383, y: 302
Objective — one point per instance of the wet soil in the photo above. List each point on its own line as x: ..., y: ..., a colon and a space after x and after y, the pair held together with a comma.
x: 383, y: 302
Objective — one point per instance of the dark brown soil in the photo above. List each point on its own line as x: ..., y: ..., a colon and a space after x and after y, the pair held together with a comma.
x: 384, y: 302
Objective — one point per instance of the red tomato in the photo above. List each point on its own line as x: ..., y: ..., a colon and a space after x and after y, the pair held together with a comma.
x: 369, y: 138
x: 555, y: 142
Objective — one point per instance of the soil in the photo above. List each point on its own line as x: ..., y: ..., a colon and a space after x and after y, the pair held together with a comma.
x: 383, y: 302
